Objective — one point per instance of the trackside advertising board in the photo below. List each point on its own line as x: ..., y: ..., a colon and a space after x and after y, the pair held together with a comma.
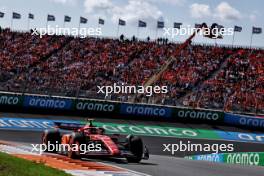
x: 136, y: 129
x: 145, y: 110
x: 245, y: 158
x: 161, y: 131
x: 241, y: 120
x: 47, y: 103
x: 124, y: 110
x: 218, y: 158
x: 11, y: 100
x: 187, y: 114
x: 96, y: 106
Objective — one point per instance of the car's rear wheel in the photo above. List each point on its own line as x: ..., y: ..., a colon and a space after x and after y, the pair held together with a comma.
x: 74, y: 151
x: 135, y: 145
x: 51, y: 139
x: 75, y: 143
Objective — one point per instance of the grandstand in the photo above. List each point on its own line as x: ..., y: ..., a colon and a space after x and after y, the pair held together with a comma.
x: 214, y: 77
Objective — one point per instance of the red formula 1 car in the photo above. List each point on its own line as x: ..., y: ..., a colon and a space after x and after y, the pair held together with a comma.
x: 91, y: 141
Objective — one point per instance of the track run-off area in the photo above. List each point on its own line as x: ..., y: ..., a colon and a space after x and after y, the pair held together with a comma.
x: 26, y: 129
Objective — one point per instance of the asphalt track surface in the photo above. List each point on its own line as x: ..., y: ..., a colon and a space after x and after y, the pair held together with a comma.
x: 160, y: 163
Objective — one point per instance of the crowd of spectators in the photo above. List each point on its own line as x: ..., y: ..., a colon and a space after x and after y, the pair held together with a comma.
x: 194, y: 65
x: 19, y: 51
x: 239, y: 85
x: 200, y: 76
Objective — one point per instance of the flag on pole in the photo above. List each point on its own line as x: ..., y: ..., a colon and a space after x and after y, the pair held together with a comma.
x: 177, y: 25
x: 2, y: 14
x: 121, y: 22
x: 67, y: 18
x: 83, y: 20
x: 256, y: 30
x: 142, y: 24
x: 219, y: 27
x: 237, y: 29
x: 101, y: 21
x: 30, y: 16
x: 198, y: 25
x: 16, y: 15
x: 160, y: 24
x: 51, y: 18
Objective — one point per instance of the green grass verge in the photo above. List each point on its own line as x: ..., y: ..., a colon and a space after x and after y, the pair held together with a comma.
x: 13, y: 166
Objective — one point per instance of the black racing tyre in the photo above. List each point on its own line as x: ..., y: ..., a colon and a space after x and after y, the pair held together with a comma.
x: 135, y: 145
x: 51, y: 138
x: 76, y: 140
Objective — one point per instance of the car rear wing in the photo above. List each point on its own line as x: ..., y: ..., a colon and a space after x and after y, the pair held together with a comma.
x: 68, y: 126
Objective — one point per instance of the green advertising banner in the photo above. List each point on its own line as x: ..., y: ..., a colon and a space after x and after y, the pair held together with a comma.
x: 158, y: 131
x: 11, y: 99
x: 243, y: 158
x: 96, y: 106
x: 247, y: 158
x: 197, y: 115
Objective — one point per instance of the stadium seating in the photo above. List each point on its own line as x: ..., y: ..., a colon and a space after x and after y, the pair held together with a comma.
x: 20, y: 51
x: 202, y: 76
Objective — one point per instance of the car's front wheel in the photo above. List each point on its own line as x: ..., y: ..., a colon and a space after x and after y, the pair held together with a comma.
x: 135, y: 146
